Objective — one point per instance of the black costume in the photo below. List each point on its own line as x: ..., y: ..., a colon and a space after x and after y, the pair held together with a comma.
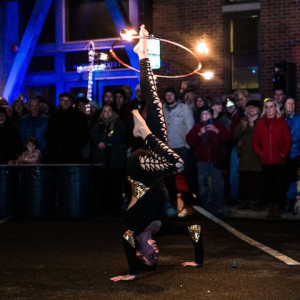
x: 146, y: 168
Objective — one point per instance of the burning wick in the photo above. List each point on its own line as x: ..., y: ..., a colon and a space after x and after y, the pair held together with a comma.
x: 127, y: 34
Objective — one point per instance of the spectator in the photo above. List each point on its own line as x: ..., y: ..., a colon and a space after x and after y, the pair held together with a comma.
x: 137, y: 103
x: 34, y: 124
x: 232, y: 112
x: 208, y: 139
x: 119, y: 104
x: 271, y: 143
x: 80, y: 102
x: 199, y: 102
x: 45, y: 107
x: 189, y: 98
x: 179, y: 120
x: 4, y: 104
x: 293, y: 195
x: 241, y: 98
x: 218, y: 112
x: 293, y: 120
x: 10, y: 143
x: 31, y: 155
x: 231, y: 176
x: 108, y: 97
x: 108, y: 143
x: 251, y: 185
x: 19, y: 109
x: 279, y: 95
x: 67, y: 132
x: 128, y: 91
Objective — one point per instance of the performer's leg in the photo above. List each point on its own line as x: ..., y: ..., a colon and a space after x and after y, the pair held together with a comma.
x: 155, y: 118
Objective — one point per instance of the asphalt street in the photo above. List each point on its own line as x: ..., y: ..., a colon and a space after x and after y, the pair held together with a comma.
x: 74, y: 259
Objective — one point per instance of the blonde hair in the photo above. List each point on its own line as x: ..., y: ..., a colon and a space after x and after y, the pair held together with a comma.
x: 277, y: 109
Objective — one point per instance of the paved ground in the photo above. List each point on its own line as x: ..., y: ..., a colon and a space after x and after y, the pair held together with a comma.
x: 55, y: 259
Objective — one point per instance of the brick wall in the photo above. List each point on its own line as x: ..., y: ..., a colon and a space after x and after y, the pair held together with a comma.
x: 184, y: 21
x: 279, y: 39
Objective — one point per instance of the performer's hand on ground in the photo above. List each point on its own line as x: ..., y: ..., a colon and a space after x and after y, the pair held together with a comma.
x: 123, y: 278
x: 141, y: 48
x: 140, y: 128
x: 190, y: 264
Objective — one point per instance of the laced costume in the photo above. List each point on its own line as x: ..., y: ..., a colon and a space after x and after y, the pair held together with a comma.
x: 146, y: 168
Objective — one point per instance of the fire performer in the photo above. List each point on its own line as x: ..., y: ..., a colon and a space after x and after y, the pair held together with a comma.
x: 146, y: 168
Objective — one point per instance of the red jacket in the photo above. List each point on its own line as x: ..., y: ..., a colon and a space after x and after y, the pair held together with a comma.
x: 272, y: 140
x: 209, y: 147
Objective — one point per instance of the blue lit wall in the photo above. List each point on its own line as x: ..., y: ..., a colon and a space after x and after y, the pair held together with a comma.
x: 34, y: 83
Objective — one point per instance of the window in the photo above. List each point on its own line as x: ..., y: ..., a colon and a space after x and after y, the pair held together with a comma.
x: 47, y: 91
x: 41, y: 64
x: 89, y: 20
x: 47, y: 35
x: 243, y: 34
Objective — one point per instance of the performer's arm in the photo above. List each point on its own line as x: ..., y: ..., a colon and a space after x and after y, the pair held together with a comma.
x: 198, y: 249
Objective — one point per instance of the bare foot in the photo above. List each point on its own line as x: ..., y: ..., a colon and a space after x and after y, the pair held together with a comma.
x: 141, y: 47
x: 123, y: 278
x: 140, y: 128
x: 190, y: 264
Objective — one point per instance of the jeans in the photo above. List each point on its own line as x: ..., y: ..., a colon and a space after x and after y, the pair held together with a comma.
x: 210, y: 180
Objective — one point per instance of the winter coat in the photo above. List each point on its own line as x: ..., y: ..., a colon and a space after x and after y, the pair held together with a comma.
x: 209, y: 147
x: 67, y: 134
x: 272, y: 140
x: 248, y: 161
x: 294, y: 125
x: 112, y: 133
x: 179, y: 121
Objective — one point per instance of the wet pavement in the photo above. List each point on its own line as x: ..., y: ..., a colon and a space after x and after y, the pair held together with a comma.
x: 74, y: 259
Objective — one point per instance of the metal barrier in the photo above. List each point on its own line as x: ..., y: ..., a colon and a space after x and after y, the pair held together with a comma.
x: 39, y: 191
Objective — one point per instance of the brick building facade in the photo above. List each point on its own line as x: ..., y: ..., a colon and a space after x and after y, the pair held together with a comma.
x: 278, y: 37
x: 277, y: 40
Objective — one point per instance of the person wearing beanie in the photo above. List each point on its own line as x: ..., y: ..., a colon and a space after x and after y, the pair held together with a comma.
x: 179, y: 120
x: 249, y: 168
x: 208, y: 139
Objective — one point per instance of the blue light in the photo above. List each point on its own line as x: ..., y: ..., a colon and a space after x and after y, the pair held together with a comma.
x: 253, y: 71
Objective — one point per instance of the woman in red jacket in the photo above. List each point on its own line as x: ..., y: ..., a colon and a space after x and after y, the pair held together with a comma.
x: 271, y: 143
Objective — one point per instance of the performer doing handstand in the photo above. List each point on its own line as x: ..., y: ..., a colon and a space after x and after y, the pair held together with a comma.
x: 146, y: 168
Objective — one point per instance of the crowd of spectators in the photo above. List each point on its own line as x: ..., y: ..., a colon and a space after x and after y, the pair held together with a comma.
x: 237, y: 150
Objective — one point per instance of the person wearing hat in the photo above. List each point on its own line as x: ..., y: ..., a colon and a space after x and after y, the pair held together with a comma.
x: 250, y: 186
x: 179, y: 121
x: 119, y: 104
x: 208, y: 139
x: 218, y: 112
